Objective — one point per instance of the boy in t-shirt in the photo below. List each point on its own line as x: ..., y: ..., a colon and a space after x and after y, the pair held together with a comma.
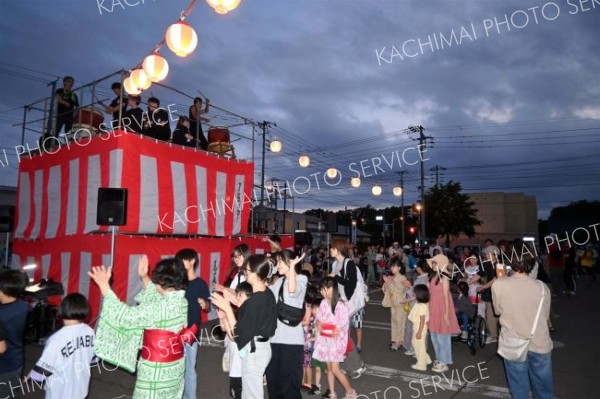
x: 13, y: 315
x: 197, y: 296
x: 65, y: 363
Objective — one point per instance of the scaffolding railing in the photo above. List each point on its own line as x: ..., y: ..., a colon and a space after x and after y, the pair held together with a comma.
x: 40, y: 116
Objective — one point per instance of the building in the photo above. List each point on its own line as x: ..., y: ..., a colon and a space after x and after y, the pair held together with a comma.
x: 270, y: 221
x: 504, y: 216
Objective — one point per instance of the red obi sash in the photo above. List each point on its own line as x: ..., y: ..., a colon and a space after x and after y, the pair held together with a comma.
x: 162, y: 346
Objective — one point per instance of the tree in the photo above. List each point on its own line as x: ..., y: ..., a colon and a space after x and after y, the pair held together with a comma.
x: 582, y: 208
x: 449, y: 213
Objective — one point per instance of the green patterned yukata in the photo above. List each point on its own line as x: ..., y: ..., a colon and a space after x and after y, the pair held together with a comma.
x: 119, y: 339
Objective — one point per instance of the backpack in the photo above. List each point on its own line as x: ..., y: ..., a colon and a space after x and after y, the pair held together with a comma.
x: 361, y: 292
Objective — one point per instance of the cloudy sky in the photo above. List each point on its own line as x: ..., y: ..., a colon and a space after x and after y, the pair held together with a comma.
x: 509, y: 91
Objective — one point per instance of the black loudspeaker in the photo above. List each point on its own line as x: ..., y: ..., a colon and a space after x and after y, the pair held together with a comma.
x: 303, y: 238
x: 7, y: 219
x: 331, y: 223
x: 112, y: 207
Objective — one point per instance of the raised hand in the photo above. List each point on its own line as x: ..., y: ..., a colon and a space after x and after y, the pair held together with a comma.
x: 101, y: 276
x: 143, y: 266
x: 296, y: 260
x: 231, y: 297
x: 219, y: 301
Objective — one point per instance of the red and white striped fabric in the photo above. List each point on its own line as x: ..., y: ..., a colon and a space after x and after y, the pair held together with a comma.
x: 171, y: 189
x: 68, y: 259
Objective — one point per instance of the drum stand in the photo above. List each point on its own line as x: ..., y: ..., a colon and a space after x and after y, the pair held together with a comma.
x: 223, y: 149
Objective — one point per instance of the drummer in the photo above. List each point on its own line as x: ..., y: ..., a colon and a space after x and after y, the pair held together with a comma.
x: 133, y: 118
x: 114, y: 107
x: 67, y: 101
x: 196, y: 120
x: 181, y: 134
x: 157, y: 121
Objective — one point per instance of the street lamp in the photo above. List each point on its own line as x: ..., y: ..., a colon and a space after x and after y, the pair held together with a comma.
x: 419, y: 209
x: 399, y: 192
x: 382, y: 219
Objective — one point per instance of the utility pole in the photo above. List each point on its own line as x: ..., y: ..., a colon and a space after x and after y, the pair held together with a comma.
x: 264, y: 125
x: 422, y: 145
x: 437, y: 169
x: 402, y: 173
x: 383, y: 231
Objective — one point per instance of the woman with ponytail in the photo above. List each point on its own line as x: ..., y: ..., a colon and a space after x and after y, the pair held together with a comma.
x: 255, y: 324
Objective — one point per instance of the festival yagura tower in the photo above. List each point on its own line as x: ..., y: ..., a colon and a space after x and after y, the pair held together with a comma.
x: 177, y: 197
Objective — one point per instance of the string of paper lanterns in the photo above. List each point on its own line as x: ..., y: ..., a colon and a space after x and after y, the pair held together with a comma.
x: 355, y: 182
x: 181, y: 39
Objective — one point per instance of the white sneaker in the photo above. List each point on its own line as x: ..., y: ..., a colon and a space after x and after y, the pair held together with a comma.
x: 409, y: 353
x: 440, y: 368
x: 464, y: 335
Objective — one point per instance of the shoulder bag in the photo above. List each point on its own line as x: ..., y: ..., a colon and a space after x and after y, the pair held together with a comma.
x: 287, y: 314
x: 511, y: 346
x: 359, y: 297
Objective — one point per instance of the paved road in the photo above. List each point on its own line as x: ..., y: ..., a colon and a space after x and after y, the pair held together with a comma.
x: 389, y: 376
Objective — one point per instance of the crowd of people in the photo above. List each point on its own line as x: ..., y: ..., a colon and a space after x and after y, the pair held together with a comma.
x: 266, y: 307
x: 287, y: 319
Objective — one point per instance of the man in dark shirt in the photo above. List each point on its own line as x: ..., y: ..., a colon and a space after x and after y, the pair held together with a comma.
x: 66, y: 102
x: 133, y: 119
x: 196, y: 120
x: 114, y: 107
x: 181, y: 134
x: 13, y: 315
x: 157, y: 121
x: 197, y: 295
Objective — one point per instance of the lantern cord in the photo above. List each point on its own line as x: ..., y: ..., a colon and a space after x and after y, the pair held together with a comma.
x: 188, y: 10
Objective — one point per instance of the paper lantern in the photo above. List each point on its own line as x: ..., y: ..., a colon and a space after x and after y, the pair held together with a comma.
x: 275, y: 145
x: 397, y: 191
x: 332, y: 173
x: 355, y: 182
x: 181, y: 38
x: 130, y: 88
x: 304, y: 161
x: 139, y: 79
x: 376, y: 190
x: 223, y: 6
x: 156, y: 67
